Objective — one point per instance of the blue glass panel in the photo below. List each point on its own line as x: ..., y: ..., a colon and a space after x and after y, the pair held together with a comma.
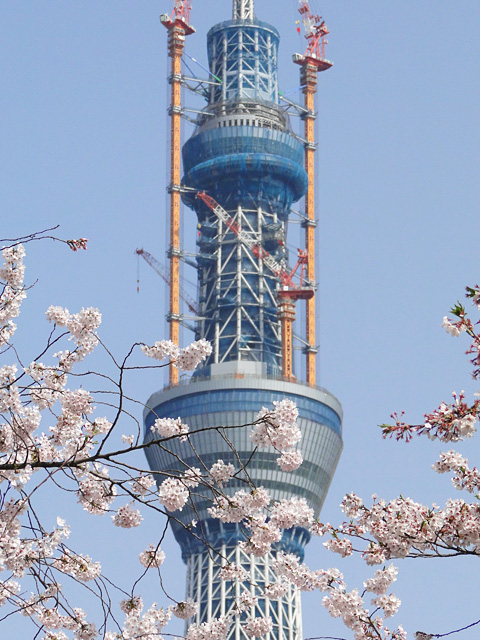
x: 243, y: 400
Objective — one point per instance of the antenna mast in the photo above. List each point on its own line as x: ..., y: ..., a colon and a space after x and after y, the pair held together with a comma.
x: 243, y: 10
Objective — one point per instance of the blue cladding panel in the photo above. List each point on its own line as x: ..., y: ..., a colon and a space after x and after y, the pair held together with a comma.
x: 241, y: 139
x: 242, y: 400
x: 230, y: 534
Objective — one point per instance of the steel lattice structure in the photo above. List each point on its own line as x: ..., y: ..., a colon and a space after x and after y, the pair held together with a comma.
x: 217, y: 597
x: 244, y: 155
x: 243, y: 10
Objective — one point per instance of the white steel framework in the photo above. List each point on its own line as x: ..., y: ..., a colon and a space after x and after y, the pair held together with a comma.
x: 245, y: 59
x: 243, y: 10
x: 236, y: 284
x: 217, y: 597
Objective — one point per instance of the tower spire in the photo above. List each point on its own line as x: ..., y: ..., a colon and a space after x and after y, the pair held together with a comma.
x: 243, y: 9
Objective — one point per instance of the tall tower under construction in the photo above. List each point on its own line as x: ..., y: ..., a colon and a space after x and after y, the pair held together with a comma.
x: 243, y: 168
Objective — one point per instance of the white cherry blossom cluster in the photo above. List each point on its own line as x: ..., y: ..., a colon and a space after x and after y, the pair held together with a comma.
x: 215, y: 629
x: 453, y: 422
x: 276, y: 590
x: 147, y: 626
x: 143, y: 485
x: 127, y: 517
x: 53, y: 620
x: 389, y: 603
x: 185, y: 610
x: 132, y: 605
x: 233, y: 571
x: 190, y: 357
x: 173, y: 494
x: 290, y: 460
x: 152, y: 557
x: 453, y: 328
x: 448, y: 423
x: 13, y: 291
x: 382, y: 580
x: 263, y: 534
x: 192, y: 477
x: 95, y: 492
x: 82, y: 327
x: 403, y: 527
x: 279, y: 429
x: 162, y: 350
x: 288, y: 567
x: 169, y: 427
x: 464, y: 478
x: 242, y: 505
x: 186, y: 359
x: 258, y: 627
x: 221, y: 473
x: 246, y: 601
x: 342, y: 546
x: 81, y: 567
x: 292, y: 512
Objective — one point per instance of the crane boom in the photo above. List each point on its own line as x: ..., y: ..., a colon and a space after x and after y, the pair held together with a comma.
x: 162, y: 271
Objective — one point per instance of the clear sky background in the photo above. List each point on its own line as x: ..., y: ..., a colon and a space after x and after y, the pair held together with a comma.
x: 84, y: 144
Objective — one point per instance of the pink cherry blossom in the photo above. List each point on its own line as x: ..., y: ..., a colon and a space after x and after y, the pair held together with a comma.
x: 173, y: 494
x: 257, y: 627
x: 152, y: 557
x: 185, y: 610
x: 127, y: 517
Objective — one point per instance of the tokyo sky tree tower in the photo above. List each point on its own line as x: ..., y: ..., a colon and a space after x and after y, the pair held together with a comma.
x: 242, y: 169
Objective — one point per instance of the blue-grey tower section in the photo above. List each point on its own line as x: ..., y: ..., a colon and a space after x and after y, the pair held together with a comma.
x: 244, y: 154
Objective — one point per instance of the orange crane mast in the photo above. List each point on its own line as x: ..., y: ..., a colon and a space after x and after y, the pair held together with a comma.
x: 312, y: 62
x: 178, y: 25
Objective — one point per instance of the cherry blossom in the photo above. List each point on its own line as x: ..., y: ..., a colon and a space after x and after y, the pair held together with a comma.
x: 185, y: 610
x: 190, y: 357
x: 169, y: 427
x: 173, y: 494
x: 233, y: 572
x: 246, y: 601
x: 257, y: 627
x: 382, y: 580
x: 277, y: 428
x: 81, y: 567
x: 215, y: 629
x: 152, y: 557
x: 221, y: 473
x: 162, y: 350
x: 290, y: 460
x: 127, y: 517
x: 143, y: 484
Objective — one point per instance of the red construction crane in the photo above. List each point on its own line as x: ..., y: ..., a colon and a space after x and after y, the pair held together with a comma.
x: 180, y: 17
x: 288, y: 293
x: 162, y: 271
x: 315, y: 32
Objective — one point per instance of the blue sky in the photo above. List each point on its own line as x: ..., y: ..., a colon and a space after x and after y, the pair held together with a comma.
x: 83, y: 133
